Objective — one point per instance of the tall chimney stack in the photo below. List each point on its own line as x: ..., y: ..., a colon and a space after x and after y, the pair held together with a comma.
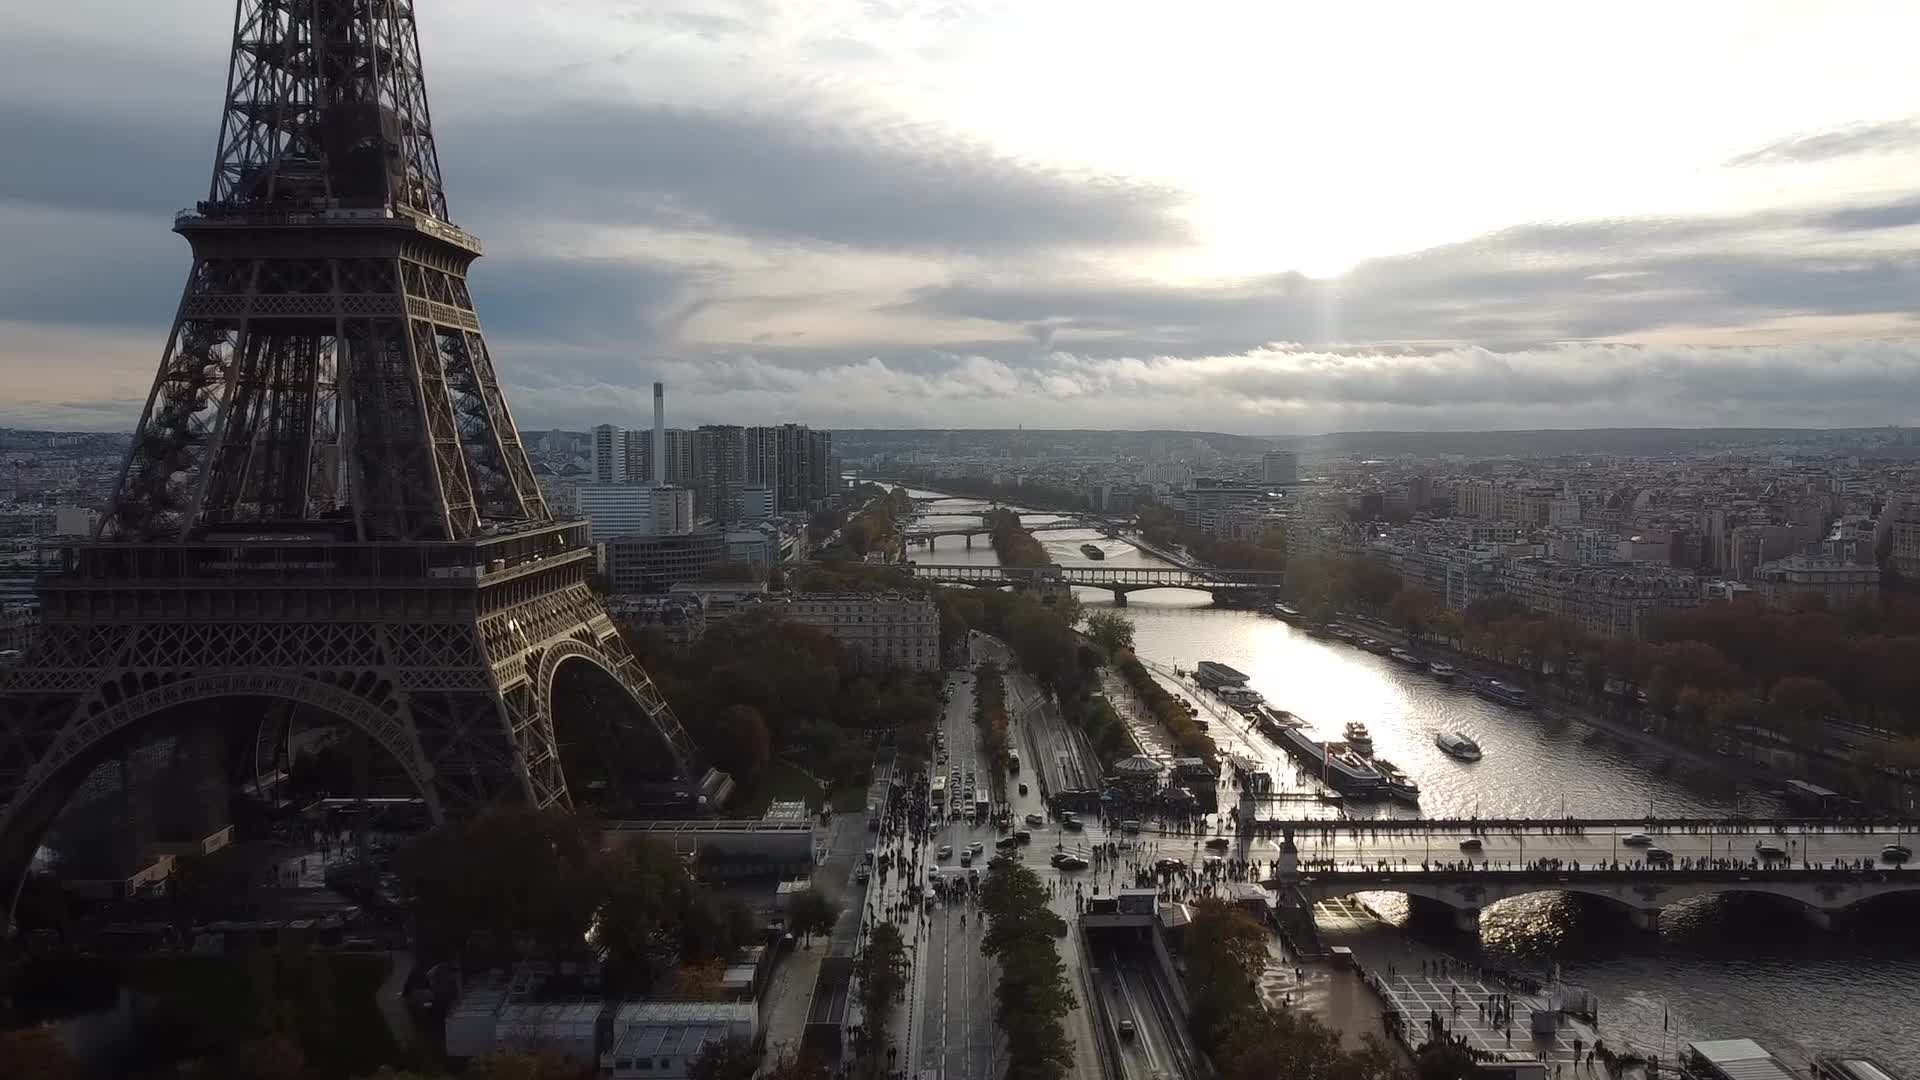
x: 659, y: 434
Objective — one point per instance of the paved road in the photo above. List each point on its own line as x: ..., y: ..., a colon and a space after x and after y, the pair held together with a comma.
x: 954, y: 1027
x: 1126, y: 980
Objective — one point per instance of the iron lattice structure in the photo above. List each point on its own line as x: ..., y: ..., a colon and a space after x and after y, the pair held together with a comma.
x: 326, y: 500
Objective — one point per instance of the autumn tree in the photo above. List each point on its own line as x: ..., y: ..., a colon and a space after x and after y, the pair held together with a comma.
x: 1413, y: 610
x: 1264, y: 1044
x: 37, y: 1052
x: 1226, y: 951
x: 502, y: 886
x: 541, y: 1063
x: 738, y: 742
x: 1800, y: 705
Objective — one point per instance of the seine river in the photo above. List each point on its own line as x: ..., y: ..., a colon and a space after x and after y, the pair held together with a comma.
x: 1721, y: 968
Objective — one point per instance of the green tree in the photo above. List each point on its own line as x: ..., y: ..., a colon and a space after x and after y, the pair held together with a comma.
x: 645, y: 898
x: 882, y: 971
x: 1110, y: 630
x: 812, y: 913
x: 1033, y: 996
x: 1043, y: 643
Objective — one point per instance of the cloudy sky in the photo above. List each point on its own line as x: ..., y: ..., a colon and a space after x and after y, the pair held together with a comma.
x: 1262, y: 217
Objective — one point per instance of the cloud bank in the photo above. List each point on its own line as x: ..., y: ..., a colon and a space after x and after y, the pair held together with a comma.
x: 820, y: 249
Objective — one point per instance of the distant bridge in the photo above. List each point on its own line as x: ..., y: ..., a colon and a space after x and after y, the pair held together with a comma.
x: 1821, y: 894
x: 1118, y: 580
x: 929, y: 534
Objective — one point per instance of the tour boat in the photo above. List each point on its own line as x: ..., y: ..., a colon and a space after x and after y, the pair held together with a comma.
x: 1504, y: 693
x: 1359, y: 738
x: 1092, y: 552
x: 1405, y: 657
x: 1442, y: 671
x: 1395, y: 782
x: 1456, y: 745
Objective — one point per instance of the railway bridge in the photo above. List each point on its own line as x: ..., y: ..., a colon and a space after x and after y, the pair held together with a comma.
x: 931, y: 534
x: 1118, y: 580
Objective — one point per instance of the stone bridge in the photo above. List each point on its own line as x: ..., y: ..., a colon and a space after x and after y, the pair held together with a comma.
x: 1118, y: 580
x: 1820, y: 894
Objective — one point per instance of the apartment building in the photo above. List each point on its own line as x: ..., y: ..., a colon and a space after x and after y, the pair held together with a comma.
x: 1838, y: 584
x: 892, y: 630
x: 1609, y: 601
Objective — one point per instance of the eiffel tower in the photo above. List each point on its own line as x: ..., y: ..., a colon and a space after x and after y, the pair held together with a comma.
x: 326, y: 503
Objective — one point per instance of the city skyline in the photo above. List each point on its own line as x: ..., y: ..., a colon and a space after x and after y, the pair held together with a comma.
x: 832, y: 214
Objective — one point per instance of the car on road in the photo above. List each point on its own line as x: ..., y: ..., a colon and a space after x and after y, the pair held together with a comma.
x: 976, y: 847
x: 1659, y: 856
x: 1896, y: 853
x: 1471, y: 843
x: 1057, y: 856
x: 1072, y: 824
x: 1022, y: 836
x: 1006, y: 843
x: 1769, y: 851
x: 1127, y: 1029
x: 1023, y: 789
x: 966, y: 858
x: 1036, y: 819
x: 1637, y: 839
x: 1219, y: 843
x: 1169, y: 866
x: 1130, y: 826
x: 945, y: 852
x: 1073, y: 862
x: 862, y: 875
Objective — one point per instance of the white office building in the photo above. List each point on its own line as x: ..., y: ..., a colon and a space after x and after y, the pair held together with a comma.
x: 634, y: 509
x: 609, y: 454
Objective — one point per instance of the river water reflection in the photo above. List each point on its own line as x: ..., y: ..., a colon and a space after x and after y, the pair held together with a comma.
x: 1721, y: 968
